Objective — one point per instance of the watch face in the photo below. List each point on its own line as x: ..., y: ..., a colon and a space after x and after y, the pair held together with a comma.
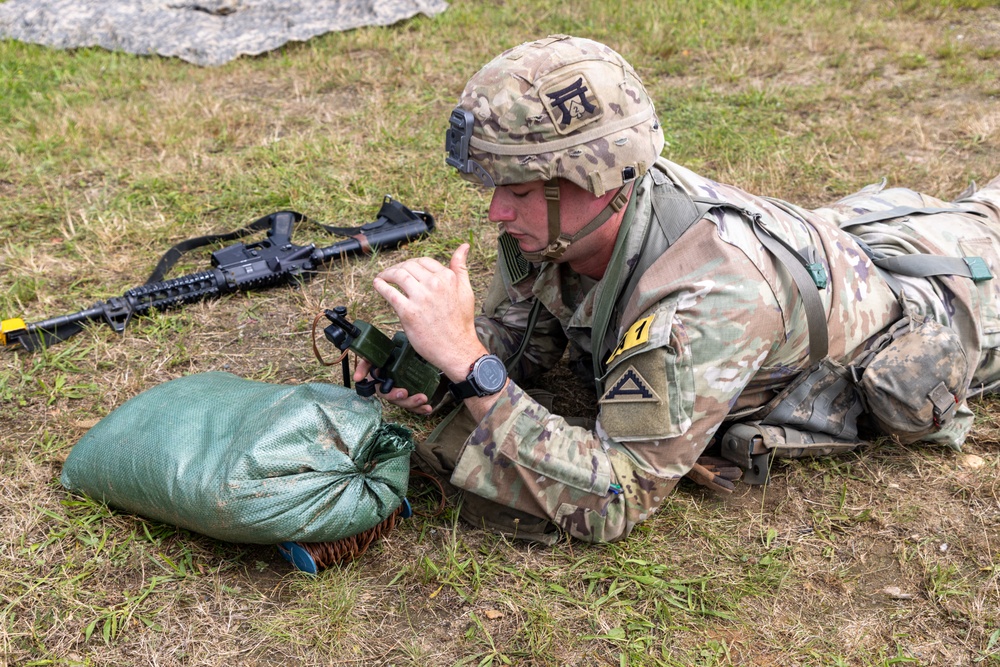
x: 490, y: 374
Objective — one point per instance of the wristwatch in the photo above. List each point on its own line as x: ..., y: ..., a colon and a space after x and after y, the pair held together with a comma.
x: 486, y: 377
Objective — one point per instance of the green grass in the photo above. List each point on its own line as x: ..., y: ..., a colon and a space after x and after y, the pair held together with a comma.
x: 107, y: 159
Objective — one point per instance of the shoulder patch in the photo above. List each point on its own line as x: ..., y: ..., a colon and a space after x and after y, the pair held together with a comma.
x: 631, y: 387
x: 512, y: 259
x: 637, y: 334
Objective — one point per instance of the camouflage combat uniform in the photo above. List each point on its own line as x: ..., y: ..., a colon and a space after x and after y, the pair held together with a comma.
x: 714, y: 328
x: 718, y: 309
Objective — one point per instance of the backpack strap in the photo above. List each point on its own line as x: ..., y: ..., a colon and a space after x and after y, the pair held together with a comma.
x: 808, y: 285
x: 674, y: 212
x: 917, y: 265
x: 900, y: 212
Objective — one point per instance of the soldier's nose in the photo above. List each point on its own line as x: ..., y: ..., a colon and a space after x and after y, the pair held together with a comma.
x: 500, y: 208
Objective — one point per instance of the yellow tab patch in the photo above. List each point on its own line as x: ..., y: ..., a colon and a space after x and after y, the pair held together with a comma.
x: 631, y: 387
x: 637, y: 334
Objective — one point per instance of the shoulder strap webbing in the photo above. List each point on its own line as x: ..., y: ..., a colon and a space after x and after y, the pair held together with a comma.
x: 924, y: 266
x: 819, y: 336
x: 918, y: 265
x: 674, y: 213
x: 675, y: 210
x: 809, y: 277
x: 899, y: 212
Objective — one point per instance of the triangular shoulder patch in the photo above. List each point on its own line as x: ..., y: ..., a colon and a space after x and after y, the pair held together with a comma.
x: 631, y: 387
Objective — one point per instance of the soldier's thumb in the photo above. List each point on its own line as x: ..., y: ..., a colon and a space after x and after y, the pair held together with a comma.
x: 459, y: 262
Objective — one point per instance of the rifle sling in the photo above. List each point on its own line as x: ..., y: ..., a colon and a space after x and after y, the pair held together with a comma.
x: 172, y: 256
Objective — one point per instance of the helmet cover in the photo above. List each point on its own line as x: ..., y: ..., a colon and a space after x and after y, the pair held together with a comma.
x: 559, y: 107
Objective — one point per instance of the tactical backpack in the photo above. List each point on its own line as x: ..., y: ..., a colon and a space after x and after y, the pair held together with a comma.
x: 908, y: 384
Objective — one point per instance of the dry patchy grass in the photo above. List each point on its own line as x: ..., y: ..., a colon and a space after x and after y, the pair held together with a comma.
x: 884, y: 556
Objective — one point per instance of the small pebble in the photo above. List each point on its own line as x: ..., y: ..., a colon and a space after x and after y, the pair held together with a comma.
x: 971, y: 461
x: 896, y: 593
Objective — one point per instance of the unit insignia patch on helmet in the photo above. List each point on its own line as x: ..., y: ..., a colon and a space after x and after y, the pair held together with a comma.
x: 571, y: 104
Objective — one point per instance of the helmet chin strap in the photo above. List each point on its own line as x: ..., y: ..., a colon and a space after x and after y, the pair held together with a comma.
x: 559, y: 242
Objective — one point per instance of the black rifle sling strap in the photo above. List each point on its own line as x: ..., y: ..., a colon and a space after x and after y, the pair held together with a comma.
x: 391, y: 212
x: 170, y: 257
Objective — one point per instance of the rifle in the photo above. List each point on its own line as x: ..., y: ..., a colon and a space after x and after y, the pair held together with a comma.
x: 237, y: 267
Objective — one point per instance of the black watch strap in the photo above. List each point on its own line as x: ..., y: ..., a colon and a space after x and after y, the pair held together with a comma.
x: 462, y: 390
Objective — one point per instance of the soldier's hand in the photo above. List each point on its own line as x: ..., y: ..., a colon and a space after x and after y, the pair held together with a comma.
x: 417, y: 404
x: 715, y: 473
x: 436, y: 308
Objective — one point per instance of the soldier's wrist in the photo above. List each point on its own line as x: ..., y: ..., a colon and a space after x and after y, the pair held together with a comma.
x: 457, y: 368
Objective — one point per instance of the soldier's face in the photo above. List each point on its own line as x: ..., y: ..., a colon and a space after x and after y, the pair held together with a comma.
x: 523, y: 211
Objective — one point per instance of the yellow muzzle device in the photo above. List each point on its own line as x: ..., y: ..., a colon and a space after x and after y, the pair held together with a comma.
x: 10, y: 326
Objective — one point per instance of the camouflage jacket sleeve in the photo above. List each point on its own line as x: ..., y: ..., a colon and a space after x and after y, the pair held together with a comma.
x: 666, y: 394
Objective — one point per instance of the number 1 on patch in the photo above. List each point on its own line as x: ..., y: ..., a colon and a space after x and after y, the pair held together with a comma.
x: 637, y: 334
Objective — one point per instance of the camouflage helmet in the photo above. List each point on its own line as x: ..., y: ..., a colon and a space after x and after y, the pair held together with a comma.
x: 559, y: 107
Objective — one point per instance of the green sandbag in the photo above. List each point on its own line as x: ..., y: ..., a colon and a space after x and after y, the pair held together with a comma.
x: 246, y: 461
